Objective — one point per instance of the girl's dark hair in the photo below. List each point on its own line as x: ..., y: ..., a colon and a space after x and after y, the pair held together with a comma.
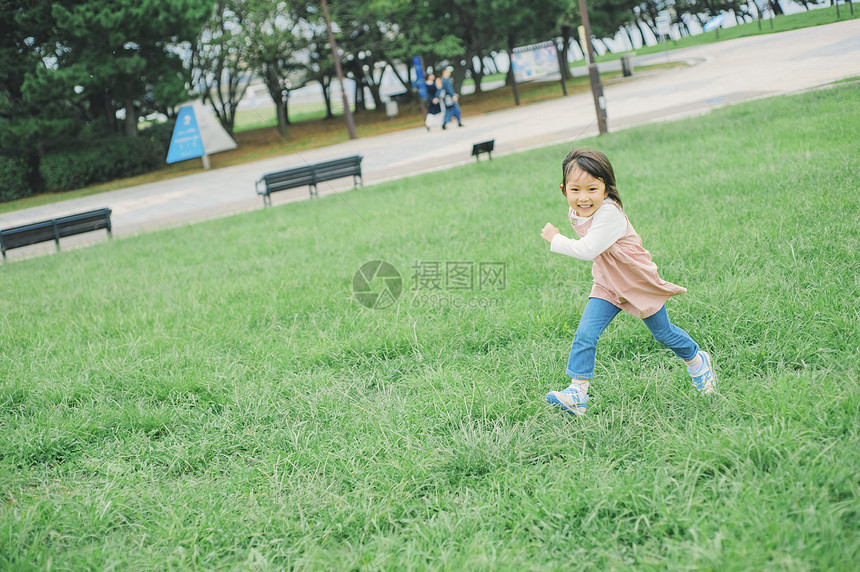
x: 595, y: 164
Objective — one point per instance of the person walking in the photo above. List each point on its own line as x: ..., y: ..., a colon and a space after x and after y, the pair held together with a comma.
x: 434, y: 109
x: 450, y: 99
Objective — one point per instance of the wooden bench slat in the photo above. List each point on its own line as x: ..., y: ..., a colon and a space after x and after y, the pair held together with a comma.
x: 54, y: 229
x: 27, y: 234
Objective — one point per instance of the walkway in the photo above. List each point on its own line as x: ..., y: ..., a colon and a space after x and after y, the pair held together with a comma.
x: 719, y: 74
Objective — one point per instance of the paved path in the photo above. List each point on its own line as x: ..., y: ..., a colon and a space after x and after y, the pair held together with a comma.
x: 719, y: 74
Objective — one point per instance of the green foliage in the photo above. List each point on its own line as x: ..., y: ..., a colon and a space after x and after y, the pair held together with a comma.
x: 607, y: 16
x: 125, y: 51
x: 13, y: 178
x: 82, y: 163
x: 212, y: 397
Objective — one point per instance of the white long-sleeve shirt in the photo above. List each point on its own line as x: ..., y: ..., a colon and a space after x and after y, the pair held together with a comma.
x: 608, y: 225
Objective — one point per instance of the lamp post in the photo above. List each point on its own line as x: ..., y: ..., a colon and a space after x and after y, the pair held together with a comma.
x: 593, y: 74
x: 347, y: 112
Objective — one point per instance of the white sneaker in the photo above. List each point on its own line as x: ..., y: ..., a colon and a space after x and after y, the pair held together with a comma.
x: 571, y: 400
x: 705, y: 379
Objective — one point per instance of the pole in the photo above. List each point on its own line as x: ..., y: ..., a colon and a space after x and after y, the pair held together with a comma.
x: 513, y: 75
x: 347, y: 112
x: 561, y: 63
x: 593, y: 74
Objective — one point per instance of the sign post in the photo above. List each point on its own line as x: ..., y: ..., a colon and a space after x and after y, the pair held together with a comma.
x: 593, y: 74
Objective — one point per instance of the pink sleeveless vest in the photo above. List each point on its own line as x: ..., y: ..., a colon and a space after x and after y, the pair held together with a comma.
x: 625, y: 275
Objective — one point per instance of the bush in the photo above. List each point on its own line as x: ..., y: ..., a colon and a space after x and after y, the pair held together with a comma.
x: 84, y: 163
x: 13, y: 178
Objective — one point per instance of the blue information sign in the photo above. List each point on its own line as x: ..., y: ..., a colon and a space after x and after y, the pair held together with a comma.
x: 186, y: 142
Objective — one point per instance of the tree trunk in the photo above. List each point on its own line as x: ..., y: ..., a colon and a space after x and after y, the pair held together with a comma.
x: 477, y: 73
x: 280, y: 95
x: 130, y: 119
x: 629, y: 36
x: 34, y: 175
x: 281, y: 109
x: 110, y: 113
x: 641, y: 33
x: 375, y: 89
x: 563, y: 52
x: 326, y: 97
x: 359, y: 104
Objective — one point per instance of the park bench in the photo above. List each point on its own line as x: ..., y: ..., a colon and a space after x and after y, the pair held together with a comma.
x: 483, y: 147
x: 310, y: 175
x: 54, y: 229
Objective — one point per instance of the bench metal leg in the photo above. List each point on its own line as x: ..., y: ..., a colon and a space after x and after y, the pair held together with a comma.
x: 56, y: 235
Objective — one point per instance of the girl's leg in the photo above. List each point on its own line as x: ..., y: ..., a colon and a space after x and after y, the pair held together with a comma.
x: 580, y: 366
x: 597, y: 315
x: 699, y: 364
x: 671, y: 335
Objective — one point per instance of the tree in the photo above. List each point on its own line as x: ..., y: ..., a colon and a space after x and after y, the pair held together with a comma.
x: 378, y: 35
x: 525, y: 23
x: 123, y: 55
x: 32, y: 107
x: 278, y: 32
x: 320, y: 65
x: 470, y: 30
x: 608, y: 16
x: 221, y: 60
x: 413, y: 29
x: 69, y: 66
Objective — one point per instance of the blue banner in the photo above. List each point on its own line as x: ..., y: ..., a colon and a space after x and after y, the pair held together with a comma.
x: 186, y: 142
x: 419, y: 77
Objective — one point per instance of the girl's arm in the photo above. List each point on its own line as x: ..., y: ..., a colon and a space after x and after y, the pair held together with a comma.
x: 608, y: 225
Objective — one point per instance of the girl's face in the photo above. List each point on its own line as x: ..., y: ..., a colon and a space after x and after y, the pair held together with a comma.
x: 584, y: 193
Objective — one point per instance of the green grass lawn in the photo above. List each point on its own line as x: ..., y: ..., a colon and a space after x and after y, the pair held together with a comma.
x: 214, y: 397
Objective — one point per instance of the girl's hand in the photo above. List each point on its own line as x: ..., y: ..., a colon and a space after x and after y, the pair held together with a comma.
x: 548, y: 232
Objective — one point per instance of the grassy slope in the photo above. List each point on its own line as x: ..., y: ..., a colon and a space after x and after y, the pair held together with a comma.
x: 219, y: 400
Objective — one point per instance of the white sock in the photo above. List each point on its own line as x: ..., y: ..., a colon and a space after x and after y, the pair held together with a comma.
x: 581, y: 384
x: 696, y: 363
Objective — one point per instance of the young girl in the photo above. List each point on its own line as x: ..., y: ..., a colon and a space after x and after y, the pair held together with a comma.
x: 625, y: 278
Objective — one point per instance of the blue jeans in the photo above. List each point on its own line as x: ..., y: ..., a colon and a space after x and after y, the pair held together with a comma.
x: 452, y: 112
x: 597, y: 315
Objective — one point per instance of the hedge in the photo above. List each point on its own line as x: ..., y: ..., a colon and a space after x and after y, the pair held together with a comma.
x: 13, y: 178
x: 86, y: 163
